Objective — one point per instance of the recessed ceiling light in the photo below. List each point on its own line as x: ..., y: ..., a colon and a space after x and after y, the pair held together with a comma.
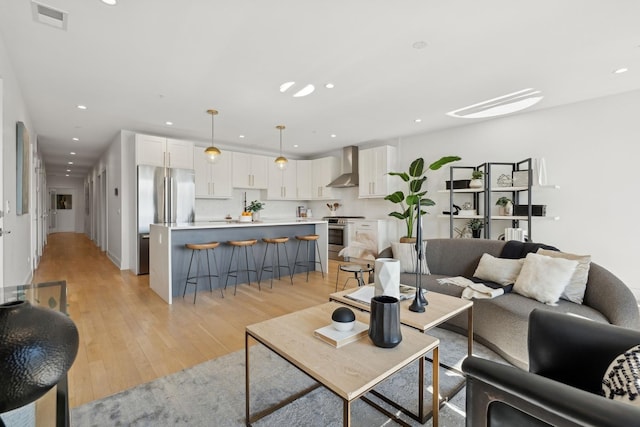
x: 333, y: 135
x: 419, y: 44
x: 68, y: 170
x: 307, y: 90
x: 241, y: 136
x: 73, y: 153
x: 109, y: 2
x: 76, y: 139
x: 66, y: 174
x: 418, y: 120
x: 286, y: 86
x: 82, y: 107
x: 499, y: 106
x: 329, y: 85
x: 295, y: 146
x: 69, y: 163
x: 168, y: 123
x: 621, y: 70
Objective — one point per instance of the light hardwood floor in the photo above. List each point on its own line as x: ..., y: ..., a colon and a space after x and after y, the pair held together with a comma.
x: 129, y: 336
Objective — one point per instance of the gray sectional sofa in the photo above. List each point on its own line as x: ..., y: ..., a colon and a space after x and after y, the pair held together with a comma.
x: 501, y: 323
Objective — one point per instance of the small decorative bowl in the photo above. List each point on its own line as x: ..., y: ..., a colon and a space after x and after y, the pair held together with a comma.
x: 343, y: 319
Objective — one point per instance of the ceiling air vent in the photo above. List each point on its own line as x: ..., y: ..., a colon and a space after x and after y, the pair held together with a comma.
x: 49, y: 16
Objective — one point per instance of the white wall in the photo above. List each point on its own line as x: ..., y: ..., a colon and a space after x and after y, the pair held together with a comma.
x: 17, y: 254
x: 61, y: 184
x: 590, y: 150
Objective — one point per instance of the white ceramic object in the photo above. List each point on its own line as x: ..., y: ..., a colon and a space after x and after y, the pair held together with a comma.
x: 343, y: 326
x: 243, y: 218
x: 387, y: 277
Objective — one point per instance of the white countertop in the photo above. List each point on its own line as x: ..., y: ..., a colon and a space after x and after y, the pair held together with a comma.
x: 235, y: 223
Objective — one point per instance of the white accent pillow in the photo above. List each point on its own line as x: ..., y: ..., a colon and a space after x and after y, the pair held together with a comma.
x: 406, y: 253
x: 544, y: 278
x: 500, y: 270
x: 621, y: 380
x: 577, y: 286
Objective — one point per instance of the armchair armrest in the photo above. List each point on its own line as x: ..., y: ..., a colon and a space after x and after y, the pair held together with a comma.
x: 574, y: 350
x: 527, y: 398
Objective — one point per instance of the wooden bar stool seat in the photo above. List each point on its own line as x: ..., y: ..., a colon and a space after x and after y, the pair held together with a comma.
x: 200, y: 248
x: 276, y: 264
x: 311, y: 260
x: 248, y: 243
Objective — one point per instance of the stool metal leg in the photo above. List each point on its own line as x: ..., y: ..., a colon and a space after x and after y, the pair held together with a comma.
x: 295, y: 260
x: 319, y: 259
x: 188, y: 273
x: 229, y: 270
x: 215, y: 263
x: 286, y: 257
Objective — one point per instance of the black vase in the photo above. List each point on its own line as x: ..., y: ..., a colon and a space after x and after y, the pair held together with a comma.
x: 384, y: 323
x: 37, y: 347
x: 476, y: 233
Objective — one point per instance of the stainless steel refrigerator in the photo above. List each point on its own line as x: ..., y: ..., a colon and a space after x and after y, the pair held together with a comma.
x: 164, y: 196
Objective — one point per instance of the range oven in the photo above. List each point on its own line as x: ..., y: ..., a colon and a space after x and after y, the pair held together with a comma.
x: 338, y: 234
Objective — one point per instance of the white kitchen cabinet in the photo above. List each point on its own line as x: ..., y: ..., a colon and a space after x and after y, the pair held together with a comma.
x: 213, y: 180
x: 367, y: 238
x: 282, y: 183
x: 304, y: 179
x: 374, y: 166
x: 324, y: 170
x: 163, y: 152
x: 250, y: 171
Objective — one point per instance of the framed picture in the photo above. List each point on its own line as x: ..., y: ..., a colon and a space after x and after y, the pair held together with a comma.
x: 63, y: 201
x: 520, y: 178
x: 23, y: 153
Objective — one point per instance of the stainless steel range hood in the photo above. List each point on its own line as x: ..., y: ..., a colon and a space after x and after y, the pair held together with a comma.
x: 349, y: 177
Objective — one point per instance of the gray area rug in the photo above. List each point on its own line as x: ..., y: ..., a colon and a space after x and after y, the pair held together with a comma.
x: 213, y: 394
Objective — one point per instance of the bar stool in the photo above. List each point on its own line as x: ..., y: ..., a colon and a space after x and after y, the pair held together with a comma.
x: 234, y: 273
x: 276, y: 266
x: 193, y: 280
x: 308, y: 238
x: 358, y: 273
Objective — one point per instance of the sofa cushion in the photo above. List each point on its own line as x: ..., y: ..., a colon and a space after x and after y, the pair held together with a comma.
x: 500, y: 270
x: 406, y: 253
x: 544, y: 278
x: 577, y: 286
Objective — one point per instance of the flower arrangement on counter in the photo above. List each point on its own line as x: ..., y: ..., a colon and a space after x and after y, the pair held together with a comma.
x: 255, y: 206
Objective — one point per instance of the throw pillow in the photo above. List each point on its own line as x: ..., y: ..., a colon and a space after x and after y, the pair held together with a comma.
x: 577, y: 286
x: 406, y: 253
x: 622, y: 379
x: 500, y: 270
x: 544, y: 278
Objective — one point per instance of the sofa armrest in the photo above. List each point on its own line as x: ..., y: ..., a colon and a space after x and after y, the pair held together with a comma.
x: 611, y: 297
x: 574, y: 350
x: 539, y: 397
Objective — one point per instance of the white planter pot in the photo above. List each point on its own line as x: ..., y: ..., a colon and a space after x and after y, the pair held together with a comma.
x: 476, y: 183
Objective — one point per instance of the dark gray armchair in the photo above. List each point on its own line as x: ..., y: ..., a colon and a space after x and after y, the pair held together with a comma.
x: 568, y: 357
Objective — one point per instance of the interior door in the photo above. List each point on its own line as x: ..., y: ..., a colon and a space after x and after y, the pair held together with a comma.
x: 2, y: 202
x: 53, y: 211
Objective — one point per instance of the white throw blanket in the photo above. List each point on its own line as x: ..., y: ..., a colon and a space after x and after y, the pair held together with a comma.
x: 472, y: 289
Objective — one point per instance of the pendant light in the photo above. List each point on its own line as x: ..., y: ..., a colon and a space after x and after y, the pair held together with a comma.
x: 212, y: 153
x: 281, y: 161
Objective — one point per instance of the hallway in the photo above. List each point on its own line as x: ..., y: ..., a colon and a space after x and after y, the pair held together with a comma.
x: 128, y: 335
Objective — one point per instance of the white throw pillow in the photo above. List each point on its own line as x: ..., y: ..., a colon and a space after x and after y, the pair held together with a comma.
x: 544, y: 278
x: 500, y: 270
x: 406, y: 253
x: 621, y: 381
x: 577, y: 286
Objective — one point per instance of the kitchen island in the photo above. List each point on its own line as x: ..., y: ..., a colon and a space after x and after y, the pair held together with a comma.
x: 169, y: 259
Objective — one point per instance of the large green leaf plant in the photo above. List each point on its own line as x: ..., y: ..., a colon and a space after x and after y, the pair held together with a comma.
x: 415, y: 178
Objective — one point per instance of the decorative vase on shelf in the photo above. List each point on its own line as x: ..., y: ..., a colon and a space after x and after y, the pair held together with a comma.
x: 384, y: 323
x: 39, y: 346
x: 475, y: 183
x: 476, y: 233
x: 540, y: 170
x: 508, y: 209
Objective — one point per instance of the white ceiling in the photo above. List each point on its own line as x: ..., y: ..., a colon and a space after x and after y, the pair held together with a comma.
x: 144, y: 62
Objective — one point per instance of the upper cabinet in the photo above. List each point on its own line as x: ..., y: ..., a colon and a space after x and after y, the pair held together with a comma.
x: 304, y: 179
x: 163, y: 152
x: 374, y: 165
x: 250, y: 171
x: 283, y: 183
x: 323, y: 171
x: 213, y: 180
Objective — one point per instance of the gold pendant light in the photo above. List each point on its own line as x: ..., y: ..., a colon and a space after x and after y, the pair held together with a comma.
x: 281, y: 161
x: 212, y: 152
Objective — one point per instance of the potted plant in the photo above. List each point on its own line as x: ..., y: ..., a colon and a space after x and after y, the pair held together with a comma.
x: 255, y: 207
x: 476, y: 179
x: 475, y: 225
x: 415, y: 177
x: 506, y: 205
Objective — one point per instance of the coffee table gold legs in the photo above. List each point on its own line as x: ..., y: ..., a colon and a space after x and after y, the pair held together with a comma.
x: 346, y: 413
x: 436, y: 386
